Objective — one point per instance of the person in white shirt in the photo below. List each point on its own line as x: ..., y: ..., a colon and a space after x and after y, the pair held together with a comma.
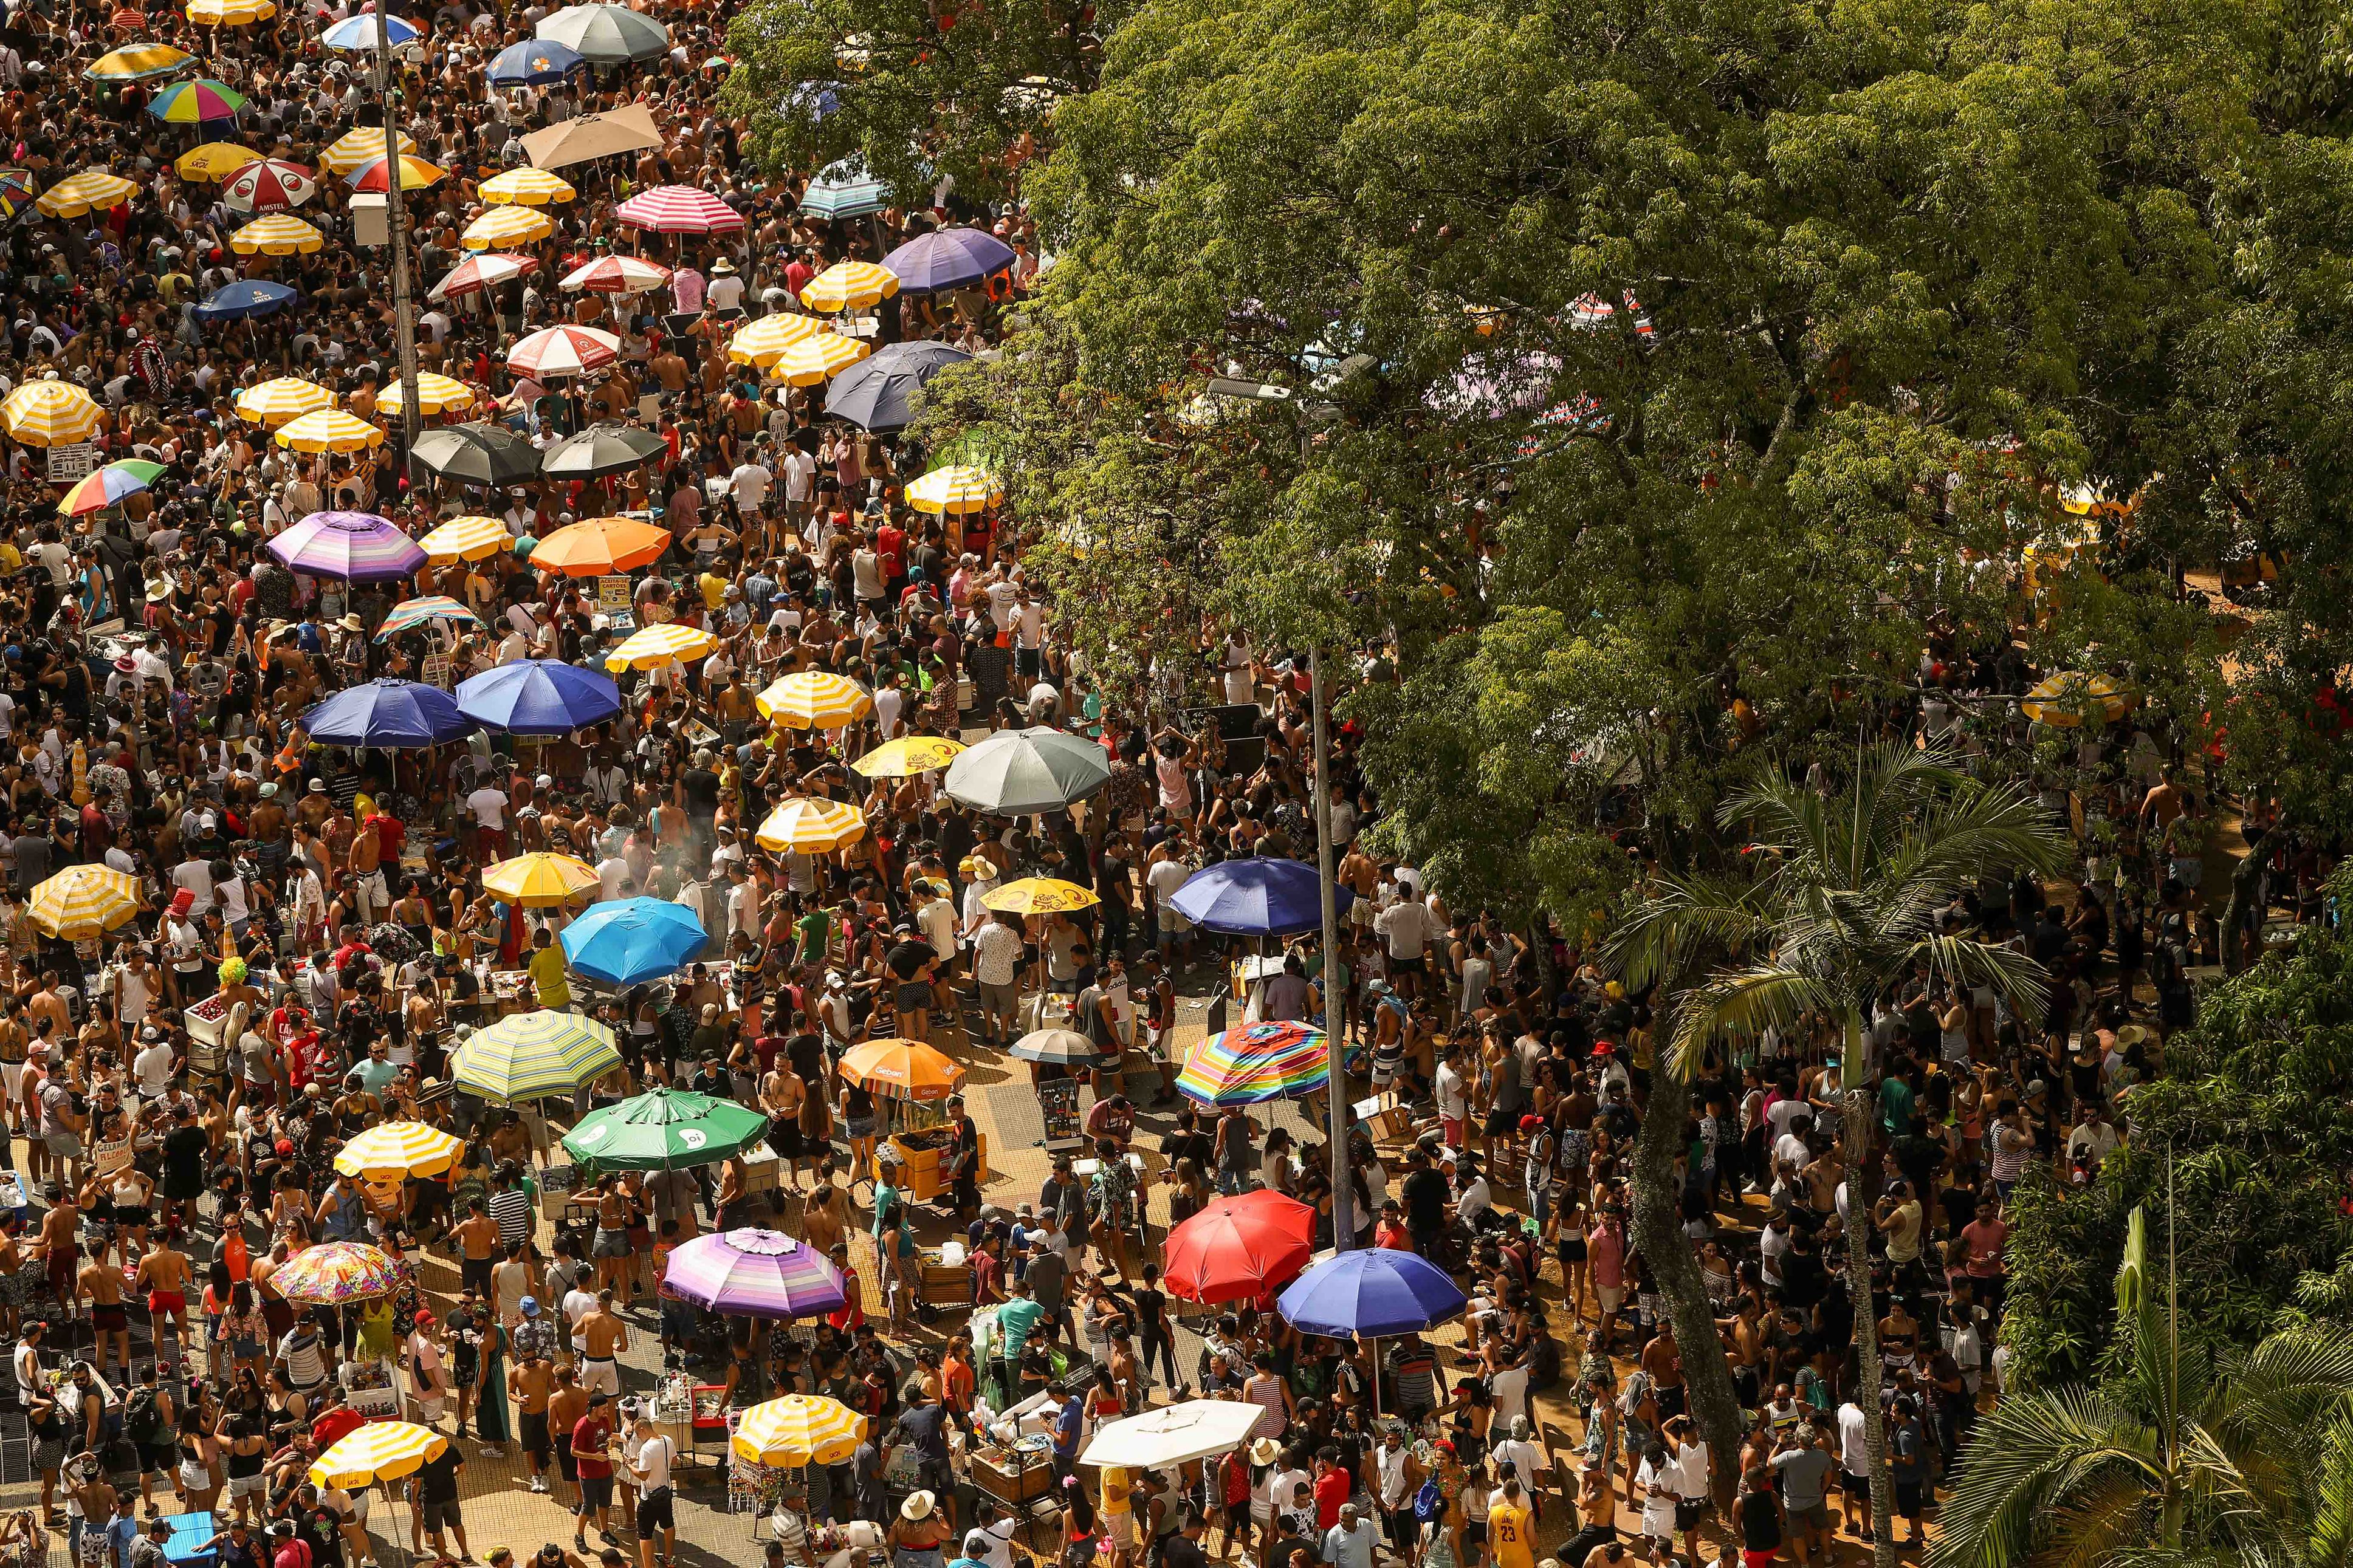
x: 650, y: 1453
x: 489, y: 804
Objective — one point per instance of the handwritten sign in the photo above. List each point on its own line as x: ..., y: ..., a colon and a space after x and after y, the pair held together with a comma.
x: 71, y: 460
x: 613, y: 593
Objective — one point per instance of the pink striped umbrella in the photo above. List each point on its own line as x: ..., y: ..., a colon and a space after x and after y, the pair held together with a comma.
x: 756, y: 1274
x: 477, y: 273
x: 564, y: 351
x: 617, y: 275
x: 679, y: 210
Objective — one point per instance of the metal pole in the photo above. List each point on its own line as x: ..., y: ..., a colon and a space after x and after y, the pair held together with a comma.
x: 1337, y: 1093
x: 404, y: 319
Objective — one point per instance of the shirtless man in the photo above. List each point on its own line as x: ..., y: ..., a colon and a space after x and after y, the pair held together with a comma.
x: 59, y: 1250
x: 102, y: 1280
x: 566, y: 1407
x: 606, y: 1337
x: 781, y: 1093
x: 164, y: 1275
x: 478, y: 1248
x: 532, y: 1384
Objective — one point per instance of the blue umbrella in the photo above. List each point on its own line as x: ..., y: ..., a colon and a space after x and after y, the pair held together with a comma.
x: 873, y: 394
x: 1258, y: 896
x: 255, y: 297
x: 1372, y: 1292
x: 534, y: 62
x: 391, y: 713
x: 633, y: 940
x: 817, y: 99
x: 844, y: 190
x: 947, y: 258
x: 353, y: 34
x: 539, y: 696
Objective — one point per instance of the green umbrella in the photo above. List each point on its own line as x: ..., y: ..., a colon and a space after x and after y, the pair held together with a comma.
x: 662, y: 1130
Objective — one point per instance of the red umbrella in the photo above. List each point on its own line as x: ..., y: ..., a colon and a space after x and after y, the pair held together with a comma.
x: 1240, y: 1249
x: 477, y: 273
x: 679, y: 210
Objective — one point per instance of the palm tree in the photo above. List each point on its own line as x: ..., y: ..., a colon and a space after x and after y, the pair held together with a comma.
x: 2187, y: 1456
x: 1845, y: 901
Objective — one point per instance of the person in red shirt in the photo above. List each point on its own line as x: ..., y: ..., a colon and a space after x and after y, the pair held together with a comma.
x: 1390, y: 1231
x: 336, y: 1421
x: 1331, y: 1487
x: 594, y: 1463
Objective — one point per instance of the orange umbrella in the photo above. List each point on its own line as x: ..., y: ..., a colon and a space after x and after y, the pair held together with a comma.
x: 601, y: 547
x: 901, y: 1069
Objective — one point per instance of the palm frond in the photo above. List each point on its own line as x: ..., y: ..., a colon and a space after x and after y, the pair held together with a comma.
x: 2290, y: 1379
x: 1741, y: 1004
x: 1958, y: 837
x: 1964, y: 962
x: 1685, y: 923
x: 2328, y: 1540
x: 2033, y: 1454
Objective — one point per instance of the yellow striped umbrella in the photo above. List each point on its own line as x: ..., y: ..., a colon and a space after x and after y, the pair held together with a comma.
x: 435, y: 393
x: 2064, y: 700
x: 849, y: 286
x: 907, y: 756
x: 274, y: 402
x: 46, y: 413
x: 1039, y: 896
x: 392, y: 1150
x: 92, y: 190
x: 810, y: 828
x: 534, y: 1055
x: 136, y: 62
x: 503, y: 226
x: 670, y: 643
x: 356, y: 146
x: 379, y: 1451
x: 954, y: 490
x: 540, y: 881
x: 279, y: 234
x: 814, y: 700
x: 796, y: 1431
x: 818, y: 358
x: 214, y: 161
x: 531, y: 187
x: 230, y: 12
x: 764, y: 340
x: 85, y: 900
x: 466, y: 539
x: 329, y: 430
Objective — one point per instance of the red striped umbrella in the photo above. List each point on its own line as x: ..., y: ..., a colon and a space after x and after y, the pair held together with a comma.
x: 617, y: 275
x: 564, y: 351
x: 268, y: 186
x: 477, y: 273
x: 679, y: 210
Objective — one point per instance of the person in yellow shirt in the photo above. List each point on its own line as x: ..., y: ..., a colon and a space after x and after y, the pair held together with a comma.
x: 1511, y: 1526
x: 549, y: 979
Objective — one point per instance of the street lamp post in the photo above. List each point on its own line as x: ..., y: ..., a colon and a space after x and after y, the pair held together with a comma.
x: 404, y: 322
x: 1343, y: 1200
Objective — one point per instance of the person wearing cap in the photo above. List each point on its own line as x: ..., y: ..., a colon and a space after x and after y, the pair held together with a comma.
x: 428, y: 1378
x: 590, y: 1446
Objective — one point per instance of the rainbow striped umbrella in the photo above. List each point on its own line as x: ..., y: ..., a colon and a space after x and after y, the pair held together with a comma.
x: 109, y: 486
x: 1257, y: 1062
x: 416, y: 612
x: 756, y: 1274
x: 337, y: 1272
x: 194, y: 102
x: 534, y: 1055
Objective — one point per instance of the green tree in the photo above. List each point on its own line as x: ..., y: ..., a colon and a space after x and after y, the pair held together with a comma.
x: 1845, y: 905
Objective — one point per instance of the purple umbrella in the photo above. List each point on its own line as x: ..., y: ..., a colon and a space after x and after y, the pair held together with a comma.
x: 357, y: 546
x: 947, y: 258
x: 756, y: 1274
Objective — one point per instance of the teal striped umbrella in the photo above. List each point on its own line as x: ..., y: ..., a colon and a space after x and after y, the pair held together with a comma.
x: 534, y: 1055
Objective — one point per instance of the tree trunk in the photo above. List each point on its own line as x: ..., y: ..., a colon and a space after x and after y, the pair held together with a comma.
x: 1854, y: 1080
x: 1667, y: 1254
x: 2246, y: 876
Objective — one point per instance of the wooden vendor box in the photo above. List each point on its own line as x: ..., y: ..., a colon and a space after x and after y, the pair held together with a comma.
x: 1015, y: 1476
x: 919, y: 1163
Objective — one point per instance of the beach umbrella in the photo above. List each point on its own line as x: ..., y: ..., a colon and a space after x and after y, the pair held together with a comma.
x: 356, y: 35
x: 585, y: 136
x: 507, y: 226
x: 436, y: 394
x: 534, y: 62
x: 606, y: 35
x: 764, y: 340
x: 844, y: 190
x: 669, y: 642
x: 602, y: 449
x: 664, y: 1129
x: 394, y: 714
x: 1239, y: 1248
x: 194, y: 102
x: 411, y: 612
x: 849, y: 286
x: 92, y: 190
x: 1056, y: 1047
x: 1371, y: 1293
x: 956, y: 491
x: 276, y: 400
x: 270, y: 185
x: 818, y: 357
x: 907, y: 756
x: 601, y: 547
x: 477, y: 273
x: 624, y: 941
x: 50, y: 413
x: 215, y: 160
x: 947, y: 258
x: 679, y: 210
x: 1195, y: 1429
x: 814, y: 700
x: 797, y: 1431
x: 476, y: 454
x: 378, y: 1451
x: 230, y: 12
x: 1024, y: 772
x: 355, y: 546
x: 330, y: 430
x: 901, y: 1069
x: 393, y: 1151
x: 109, y: 486
x: 806, y: 826
x: 1039, y: 896
x: 751, y: 1273
x: 277, y: 234
x: 136, y: 62
x: 376, y: 174
x: 1258, y: 896
x: 562, y: 350
x: 335, y: 1274
x: 253, y: 296
x: 531, y: 187
x: 615, y: 275
x: 2064, y: 700
x: 540, y: 881
x: 464, y: 539
x: 539, y: 696
x: 359, y: 145
x: 543, y: 1054
x: 1257, y: 1062
x: 85, y: 900
x: 879, y: 394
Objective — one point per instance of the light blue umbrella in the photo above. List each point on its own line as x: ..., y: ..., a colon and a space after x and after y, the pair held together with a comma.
x: 844, y: 190
x: 539, y: 696
x: 356, y: 35
x: 534, y: 62
x: 632, y: 940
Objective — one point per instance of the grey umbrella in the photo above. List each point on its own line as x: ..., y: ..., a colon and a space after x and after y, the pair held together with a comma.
x: 1025, y: 773
x: 476, y: 454
x: 606, y: 35
x: 601, y: 449
x: 874, y: 392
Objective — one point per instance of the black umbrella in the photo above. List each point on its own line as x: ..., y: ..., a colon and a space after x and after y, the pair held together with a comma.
x: 874, y: 392
x: 476, y: 454
x: 602, y: 449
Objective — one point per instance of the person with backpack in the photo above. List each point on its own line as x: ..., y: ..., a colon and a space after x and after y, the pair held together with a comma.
x: 149, y: 1421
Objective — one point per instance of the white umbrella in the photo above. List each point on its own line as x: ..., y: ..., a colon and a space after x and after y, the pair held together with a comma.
x: 1157, y: 1438
x: 606, y: 35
